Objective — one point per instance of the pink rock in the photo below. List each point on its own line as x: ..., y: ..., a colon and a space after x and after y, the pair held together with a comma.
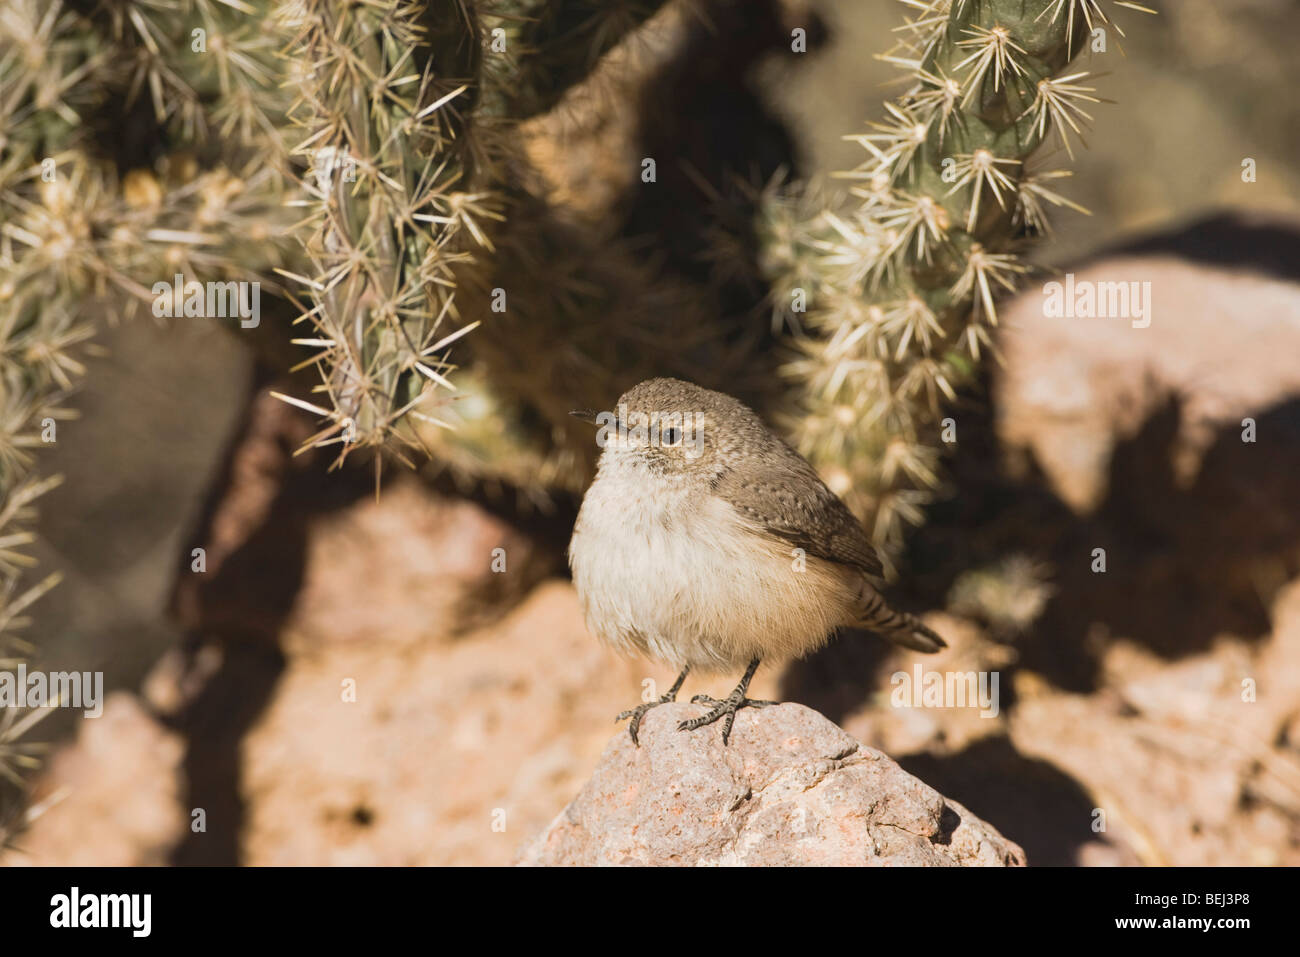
x: 791, y: 789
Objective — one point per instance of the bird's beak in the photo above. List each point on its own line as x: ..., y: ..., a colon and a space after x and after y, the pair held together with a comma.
x: 585, y: 414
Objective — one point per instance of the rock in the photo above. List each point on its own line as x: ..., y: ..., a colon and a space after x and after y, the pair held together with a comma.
x: 453, y: 753
x: 1188, y: 761
x: 1070, y: 389
x: 791, y: 789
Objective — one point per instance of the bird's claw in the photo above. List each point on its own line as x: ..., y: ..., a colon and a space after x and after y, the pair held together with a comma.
x: 720, y: 708
x: 636, y: 714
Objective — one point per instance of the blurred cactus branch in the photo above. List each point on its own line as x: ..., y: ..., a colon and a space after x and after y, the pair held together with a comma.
x: 208, y: 69
x: 549, y: 46
x: 80, y: 239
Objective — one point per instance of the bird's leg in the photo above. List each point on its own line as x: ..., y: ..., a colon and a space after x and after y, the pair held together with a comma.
x: 727, y: 707
x: 637, y: 713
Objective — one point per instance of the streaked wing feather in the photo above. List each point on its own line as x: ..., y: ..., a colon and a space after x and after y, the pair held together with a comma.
x: 792, y: 502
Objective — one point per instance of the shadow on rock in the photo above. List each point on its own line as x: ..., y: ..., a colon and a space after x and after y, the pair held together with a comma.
x: 1034, y: 803
x: 255, y: 526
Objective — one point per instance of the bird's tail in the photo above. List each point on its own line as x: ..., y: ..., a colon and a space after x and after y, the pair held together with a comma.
x: 898, y: 626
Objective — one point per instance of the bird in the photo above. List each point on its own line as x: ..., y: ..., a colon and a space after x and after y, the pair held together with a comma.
x: 707, y: 543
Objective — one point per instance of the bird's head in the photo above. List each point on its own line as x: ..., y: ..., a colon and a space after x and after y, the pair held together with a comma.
x: 668, y: 427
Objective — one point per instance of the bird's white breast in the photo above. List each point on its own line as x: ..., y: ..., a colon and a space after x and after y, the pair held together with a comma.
x: 680, y: 577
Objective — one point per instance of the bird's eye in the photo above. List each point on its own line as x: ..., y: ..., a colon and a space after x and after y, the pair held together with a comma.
x: 672, y: 436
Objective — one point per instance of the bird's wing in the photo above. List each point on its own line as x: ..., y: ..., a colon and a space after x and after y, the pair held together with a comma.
x: 791, y: 501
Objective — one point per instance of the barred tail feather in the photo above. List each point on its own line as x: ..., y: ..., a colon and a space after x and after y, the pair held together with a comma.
x: 897, y: 626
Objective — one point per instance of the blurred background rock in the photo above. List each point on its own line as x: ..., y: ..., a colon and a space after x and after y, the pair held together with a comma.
x: 481, y: 699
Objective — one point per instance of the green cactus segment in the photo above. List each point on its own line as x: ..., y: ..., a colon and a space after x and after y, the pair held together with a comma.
x: 441, y: 180
x: 902, y: 290
x: 391, y: 212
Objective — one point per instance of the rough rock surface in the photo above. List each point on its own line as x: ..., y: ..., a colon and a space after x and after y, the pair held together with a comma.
x: 1070, y: 389
x: 791, y: 789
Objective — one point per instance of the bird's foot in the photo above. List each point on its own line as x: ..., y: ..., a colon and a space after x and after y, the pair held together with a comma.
x: 724, y: 708
x: 639, y: 712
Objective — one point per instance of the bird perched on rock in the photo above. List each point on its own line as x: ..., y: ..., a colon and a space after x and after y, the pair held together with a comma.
x: 709, y: 544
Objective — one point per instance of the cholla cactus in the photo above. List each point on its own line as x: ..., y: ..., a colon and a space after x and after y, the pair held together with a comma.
x: 73, y: 232
x: 45, y: 58
x: 17, y: 757
x: 209, y: 69
x: 392, y: 207
x: 424, y: 217
x: 903, y: 290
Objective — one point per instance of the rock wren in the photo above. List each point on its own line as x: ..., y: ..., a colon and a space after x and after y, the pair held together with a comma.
x: 709, y: 544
